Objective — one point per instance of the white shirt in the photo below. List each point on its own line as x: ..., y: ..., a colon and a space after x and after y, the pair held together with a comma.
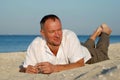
x: 70, y: 51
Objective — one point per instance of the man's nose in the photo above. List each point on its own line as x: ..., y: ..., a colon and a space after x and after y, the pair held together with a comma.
x: 57, y: 34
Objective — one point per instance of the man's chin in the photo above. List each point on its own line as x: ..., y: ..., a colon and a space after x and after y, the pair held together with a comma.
x: 57, y: 45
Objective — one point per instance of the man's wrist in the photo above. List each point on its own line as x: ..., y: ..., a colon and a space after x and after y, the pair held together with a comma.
x: 56, y: 68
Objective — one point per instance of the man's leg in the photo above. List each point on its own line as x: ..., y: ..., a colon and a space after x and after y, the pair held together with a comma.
x: 100, y: 51
x: 104, y: 42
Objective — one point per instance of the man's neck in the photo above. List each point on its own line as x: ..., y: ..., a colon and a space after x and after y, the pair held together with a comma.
x: 53, y: 49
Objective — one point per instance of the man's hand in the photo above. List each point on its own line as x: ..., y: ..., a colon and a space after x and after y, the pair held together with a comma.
x: 45, y: 67
x: 32, y: 69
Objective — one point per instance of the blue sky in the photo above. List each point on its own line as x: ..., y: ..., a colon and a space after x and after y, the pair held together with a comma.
x: 81, y: 16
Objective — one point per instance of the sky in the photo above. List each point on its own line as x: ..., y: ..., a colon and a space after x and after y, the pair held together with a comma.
x: 22, y: 17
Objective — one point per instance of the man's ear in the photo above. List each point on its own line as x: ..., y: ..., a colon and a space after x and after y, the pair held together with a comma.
x: 42, y: 33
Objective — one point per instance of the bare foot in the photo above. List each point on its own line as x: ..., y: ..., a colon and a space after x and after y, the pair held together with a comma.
x: 96, y: 33
x: 106, y: 29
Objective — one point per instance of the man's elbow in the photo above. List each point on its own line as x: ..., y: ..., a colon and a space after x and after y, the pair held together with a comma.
x: 22, y: 69
x: 81, y: 62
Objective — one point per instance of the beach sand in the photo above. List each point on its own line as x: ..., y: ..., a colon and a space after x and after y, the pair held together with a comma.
x: 105, y: 70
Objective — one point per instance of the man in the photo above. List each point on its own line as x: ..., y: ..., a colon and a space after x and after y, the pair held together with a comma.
x: 59, y: 49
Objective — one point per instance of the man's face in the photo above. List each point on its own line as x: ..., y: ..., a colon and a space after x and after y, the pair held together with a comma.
x: 52, y: 32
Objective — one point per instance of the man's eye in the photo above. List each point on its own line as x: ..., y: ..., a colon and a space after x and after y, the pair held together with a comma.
x: 51, y: 31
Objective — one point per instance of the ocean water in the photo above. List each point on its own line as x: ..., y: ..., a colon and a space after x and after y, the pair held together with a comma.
x: 16, y: 43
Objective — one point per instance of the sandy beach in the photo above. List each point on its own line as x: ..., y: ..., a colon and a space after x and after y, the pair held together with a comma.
x: 105, y: 70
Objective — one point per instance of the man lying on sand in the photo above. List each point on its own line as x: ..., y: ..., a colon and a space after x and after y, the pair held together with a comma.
x: 59, y: 49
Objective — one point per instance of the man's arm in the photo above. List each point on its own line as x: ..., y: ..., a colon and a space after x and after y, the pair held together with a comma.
x: 79, y: 63
x: 46, y: 67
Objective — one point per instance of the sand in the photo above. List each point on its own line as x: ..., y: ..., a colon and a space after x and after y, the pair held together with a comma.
x: 105, y: 70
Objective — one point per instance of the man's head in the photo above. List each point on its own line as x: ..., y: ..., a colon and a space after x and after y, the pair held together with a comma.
x: 51, y: 29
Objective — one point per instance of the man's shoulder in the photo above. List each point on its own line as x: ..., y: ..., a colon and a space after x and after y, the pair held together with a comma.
x: 38, y: 40
x: 67, y: 32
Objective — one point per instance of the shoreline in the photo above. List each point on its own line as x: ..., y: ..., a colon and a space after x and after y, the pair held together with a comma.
x: 108, y: 70
x: 26, y: 50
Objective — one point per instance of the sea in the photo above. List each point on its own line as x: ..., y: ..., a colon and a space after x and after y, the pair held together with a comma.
x: 19, y: 43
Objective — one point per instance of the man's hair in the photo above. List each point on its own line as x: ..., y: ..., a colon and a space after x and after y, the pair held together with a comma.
x: 45, y: 18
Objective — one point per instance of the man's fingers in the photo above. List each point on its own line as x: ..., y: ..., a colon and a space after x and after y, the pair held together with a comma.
x: 31, y: 69
x: 44, y: 67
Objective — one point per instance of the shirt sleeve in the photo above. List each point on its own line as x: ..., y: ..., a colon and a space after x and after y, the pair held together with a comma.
x: 75, y: 50
x: 86, y: 53
x: 31, y: 54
